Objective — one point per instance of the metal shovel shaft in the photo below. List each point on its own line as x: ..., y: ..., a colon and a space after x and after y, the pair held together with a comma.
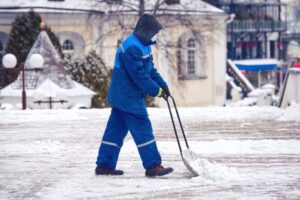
x: 182, y: 130
x: 173, y: 123
x: 185, y: 160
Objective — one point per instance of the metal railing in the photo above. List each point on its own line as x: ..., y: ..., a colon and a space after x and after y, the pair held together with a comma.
x: 257, y: 26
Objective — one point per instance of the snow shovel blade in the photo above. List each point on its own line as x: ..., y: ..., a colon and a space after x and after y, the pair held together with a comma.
x: 188, y: 158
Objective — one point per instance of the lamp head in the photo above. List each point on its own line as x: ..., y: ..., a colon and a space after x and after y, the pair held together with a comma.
x: 9, y: 61
x: 36, y: 61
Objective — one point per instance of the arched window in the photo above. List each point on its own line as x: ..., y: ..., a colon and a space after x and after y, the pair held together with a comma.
x: 68, y: 48
x: 68, y: 45
x: 190, y: 57
x: 191, y: 49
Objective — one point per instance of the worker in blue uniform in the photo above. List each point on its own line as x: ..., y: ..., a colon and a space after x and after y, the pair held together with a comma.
x: 134, y: 76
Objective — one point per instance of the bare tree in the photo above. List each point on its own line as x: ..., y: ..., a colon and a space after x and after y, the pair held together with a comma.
x: 125, y: 13
x: 158, y: 8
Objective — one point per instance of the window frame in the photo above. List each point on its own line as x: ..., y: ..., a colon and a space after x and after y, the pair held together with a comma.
x: 68, y: 47
x: 189, y: 65
x: 191, y: 55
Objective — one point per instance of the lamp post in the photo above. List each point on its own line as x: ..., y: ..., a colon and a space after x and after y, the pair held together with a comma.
x: 50, y: 101
x: 36, y: 62
x: 42, y: 97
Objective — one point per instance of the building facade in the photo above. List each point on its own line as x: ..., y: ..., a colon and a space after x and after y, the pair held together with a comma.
x: 191, y: 50
x: 257, y: 28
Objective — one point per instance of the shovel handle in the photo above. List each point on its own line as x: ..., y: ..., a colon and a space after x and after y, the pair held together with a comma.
x: 173, y: 123
x: 180, y: 123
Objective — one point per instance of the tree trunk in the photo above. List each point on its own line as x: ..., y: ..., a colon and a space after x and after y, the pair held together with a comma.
x: 142, y: 7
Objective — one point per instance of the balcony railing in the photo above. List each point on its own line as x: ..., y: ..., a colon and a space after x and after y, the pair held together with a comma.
x: 257, y: 26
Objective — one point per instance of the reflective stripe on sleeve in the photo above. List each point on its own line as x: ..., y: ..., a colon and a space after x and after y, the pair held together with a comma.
x: 146, y: 143
x: 147, y: 56
x: 121, y: 45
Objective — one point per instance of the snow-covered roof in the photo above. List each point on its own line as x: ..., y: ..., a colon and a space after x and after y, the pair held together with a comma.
x: 257, y: 61
x: 257, y: 64
x: 128, y: 6
x: 53, y: 67
x: 51, y: 80
x: 49, y: 89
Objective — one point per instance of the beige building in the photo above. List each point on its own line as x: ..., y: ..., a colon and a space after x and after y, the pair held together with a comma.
x: 191, y: 50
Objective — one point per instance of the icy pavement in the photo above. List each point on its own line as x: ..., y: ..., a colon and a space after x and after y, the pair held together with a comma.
x: 242, y: 153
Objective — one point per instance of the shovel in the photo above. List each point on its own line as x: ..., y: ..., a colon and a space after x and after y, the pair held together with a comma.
x: 187, y: 156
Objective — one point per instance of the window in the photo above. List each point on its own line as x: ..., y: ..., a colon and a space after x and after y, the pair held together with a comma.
x: 68, y: 48
x: 191, y: 57
x: 68, y: 45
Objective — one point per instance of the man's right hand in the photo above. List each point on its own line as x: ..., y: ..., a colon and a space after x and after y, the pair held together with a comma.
x: 167, y: 91
x: 162, y: 93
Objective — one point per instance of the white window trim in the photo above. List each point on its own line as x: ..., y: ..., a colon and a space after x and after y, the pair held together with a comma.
x: 184, y: 49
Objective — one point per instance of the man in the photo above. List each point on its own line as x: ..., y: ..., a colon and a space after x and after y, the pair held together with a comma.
x: 134, y: 76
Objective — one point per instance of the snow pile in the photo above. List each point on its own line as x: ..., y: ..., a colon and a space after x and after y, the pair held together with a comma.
x: 291, y: 113
x: 208, y: 170
x: 7, y: 106
x: 213, y: 171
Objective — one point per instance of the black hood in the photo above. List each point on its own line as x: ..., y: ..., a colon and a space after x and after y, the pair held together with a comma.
x: 146, y: 28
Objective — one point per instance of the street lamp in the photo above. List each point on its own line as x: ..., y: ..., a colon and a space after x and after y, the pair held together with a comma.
x: 38, y: 96
x: 36, y: 61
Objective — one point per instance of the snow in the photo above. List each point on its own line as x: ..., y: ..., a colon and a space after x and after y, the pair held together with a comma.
x: 240, y: 152
x: 248, y: 101
x: 49, y: 89
x: 213, y: 171
x: 239, y: 73
x: 295, y: 70
x: 291, y: 113
x: 257, y: 62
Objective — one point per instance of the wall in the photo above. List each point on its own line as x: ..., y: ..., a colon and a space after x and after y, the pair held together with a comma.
x: 291, y: 88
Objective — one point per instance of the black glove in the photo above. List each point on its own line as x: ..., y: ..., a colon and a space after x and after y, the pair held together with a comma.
x: 167, y: 91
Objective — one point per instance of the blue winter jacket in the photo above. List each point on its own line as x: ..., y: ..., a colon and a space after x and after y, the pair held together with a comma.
x: 134, y: 76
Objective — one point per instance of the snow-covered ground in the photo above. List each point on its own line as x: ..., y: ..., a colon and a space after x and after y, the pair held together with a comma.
x: 242, y: 153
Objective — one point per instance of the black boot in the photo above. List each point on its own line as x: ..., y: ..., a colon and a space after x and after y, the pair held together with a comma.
x: 158, y: 170
x: 104, y: 171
